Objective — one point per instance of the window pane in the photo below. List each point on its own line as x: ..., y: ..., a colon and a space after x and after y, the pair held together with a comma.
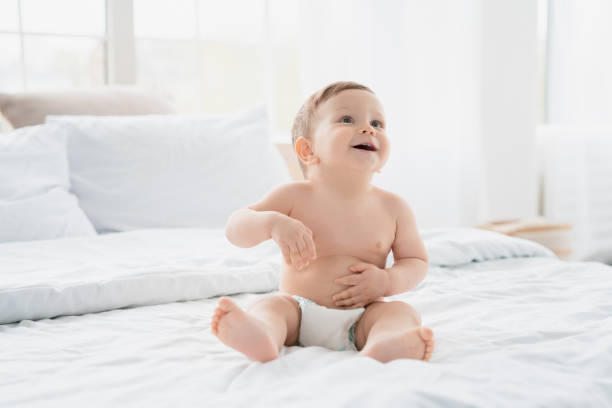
x: 231, y: 20
x: 56, y: 63
x: 9, y: 16
x: 202, y: 77
x: 171, y: 19
x: 232, y: 76
x: 170, y: 66
x: 64, y: 16
x: 10, y: 72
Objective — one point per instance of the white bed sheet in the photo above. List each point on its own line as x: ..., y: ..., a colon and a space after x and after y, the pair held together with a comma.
x: 517, y: 331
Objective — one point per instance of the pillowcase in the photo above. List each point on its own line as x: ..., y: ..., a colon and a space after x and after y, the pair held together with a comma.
x: 34, y: 199
x: 453, y: 247
x: 165, y: 171
x: 31, y: 108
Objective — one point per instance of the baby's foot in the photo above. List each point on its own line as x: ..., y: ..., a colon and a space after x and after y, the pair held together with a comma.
x: 243, y: 332
x: 416, y: 343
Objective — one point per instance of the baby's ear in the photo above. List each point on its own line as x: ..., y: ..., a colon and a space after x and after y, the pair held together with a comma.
x: 303, y: 149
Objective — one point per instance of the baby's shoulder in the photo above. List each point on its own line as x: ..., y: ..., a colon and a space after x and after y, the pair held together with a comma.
x: 294, y: 190
x: 298, y: 187
x: 394, y: 203
x: 281, y: 198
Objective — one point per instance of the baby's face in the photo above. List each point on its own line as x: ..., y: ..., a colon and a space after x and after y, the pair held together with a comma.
x: 348, y: 119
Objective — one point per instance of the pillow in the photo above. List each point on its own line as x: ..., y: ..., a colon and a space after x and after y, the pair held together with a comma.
x: 34, y: 199
x: 453, y: 247
x: 5, y: 126
x: 26, y: 109
x: 165, y: 171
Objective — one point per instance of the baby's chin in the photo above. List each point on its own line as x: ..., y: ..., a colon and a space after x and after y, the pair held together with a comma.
x: 365, y: 170
x: 348, y: 169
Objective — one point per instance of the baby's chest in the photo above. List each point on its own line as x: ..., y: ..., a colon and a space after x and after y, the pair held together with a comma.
x: 359, y: 232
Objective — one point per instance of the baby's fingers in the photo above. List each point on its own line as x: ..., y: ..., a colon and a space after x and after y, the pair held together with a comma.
x: 303, y: 248
x: 309, y: 242
x: 295, y: 257
x: 298, y: 261
x: 286, y: 254
x: 308, y: 247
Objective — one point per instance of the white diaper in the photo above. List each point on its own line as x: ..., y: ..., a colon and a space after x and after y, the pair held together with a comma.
x: 330, y: 328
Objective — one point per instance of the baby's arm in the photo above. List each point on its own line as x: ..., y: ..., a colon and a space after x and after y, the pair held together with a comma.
x: 269, y: 218
x: 411, y: 262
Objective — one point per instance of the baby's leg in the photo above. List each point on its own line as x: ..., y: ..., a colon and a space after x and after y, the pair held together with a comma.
x: 392, y: 330
x: 260, y: 332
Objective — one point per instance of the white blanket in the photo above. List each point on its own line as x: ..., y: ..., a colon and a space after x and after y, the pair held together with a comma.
x: 514, y: 326
x: 52, y: 278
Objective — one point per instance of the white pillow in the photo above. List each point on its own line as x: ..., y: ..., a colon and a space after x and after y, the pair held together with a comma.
x: 158, y: 171
x: 34, y: 199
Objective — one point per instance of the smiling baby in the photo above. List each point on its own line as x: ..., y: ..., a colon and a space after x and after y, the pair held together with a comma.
x: 335, y: 231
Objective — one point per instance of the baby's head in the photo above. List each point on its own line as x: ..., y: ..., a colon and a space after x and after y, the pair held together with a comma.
x: 333, y: 121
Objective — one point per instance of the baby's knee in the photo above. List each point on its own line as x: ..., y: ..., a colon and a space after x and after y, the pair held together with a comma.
x: 402, y: 307
x: 280, y: 306
x: 277, y: 302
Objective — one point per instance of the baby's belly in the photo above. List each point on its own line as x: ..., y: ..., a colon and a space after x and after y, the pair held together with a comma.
x: 316, y: 281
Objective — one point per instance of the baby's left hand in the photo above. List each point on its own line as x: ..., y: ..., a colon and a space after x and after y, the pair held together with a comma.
x: 368, y: 281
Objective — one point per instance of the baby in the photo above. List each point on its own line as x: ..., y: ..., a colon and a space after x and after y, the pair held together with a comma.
x: 334, y: 230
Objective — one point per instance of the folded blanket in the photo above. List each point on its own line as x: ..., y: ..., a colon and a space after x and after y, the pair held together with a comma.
x: 45, y: 279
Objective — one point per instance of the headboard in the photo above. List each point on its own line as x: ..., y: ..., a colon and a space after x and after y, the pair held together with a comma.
x: 286, y: 150
x: 30, y: 108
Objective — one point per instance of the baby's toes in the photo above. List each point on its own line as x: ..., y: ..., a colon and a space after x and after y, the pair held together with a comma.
x: 218, y: 313
x: 426, y: 334
x: 214, y: 325
x: 215, y: 317
x: 428, y: 337
x: 214, y: 321
x: 224, y: 307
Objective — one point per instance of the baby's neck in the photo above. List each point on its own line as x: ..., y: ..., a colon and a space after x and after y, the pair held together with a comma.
x: 345, y: 184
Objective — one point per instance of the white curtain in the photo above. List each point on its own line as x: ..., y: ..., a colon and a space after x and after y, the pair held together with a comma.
x: 580, y: 62
x: 422, y: 58
x: 578, y: 141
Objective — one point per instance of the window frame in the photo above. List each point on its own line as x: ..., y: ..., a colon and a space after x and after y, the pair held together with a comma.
x: 22, y: 34
x: 120, y: 42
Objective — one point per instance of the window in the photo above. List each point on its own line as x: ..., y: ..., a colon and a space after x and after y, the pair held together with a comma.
x: 52, y: 44
x: 209, y: 56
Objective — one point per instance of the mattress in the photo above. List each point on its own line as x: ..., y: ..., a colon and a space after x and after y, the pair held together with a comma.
x: 123, y: 320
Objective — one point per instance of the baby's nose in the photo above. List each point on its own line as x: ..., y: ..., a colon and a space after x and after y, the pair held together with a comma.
x: 369, y: 130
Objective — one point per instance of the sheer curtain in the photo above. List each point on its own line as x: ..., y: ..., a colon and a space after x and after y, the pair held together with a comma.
x: 423, y: 61
x: 580, y: 62
x: 577, y: 142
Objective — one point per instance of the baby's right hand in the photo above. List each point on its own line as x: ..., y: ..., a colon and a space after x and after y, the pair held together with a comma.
x: 295, y: 241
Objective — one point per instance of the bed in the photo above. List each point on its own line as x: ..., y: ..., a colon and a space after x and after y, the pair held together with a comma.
x: 106, y: 295
x: 123, y: 319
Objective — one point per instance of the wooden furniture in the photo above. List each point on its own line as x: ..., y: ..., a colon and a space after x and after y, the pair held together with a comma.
x: 555, y: 236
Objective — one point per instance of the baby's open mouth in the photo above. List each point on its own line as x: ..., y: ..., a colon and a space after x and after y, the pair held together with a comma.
x: 365, y: 147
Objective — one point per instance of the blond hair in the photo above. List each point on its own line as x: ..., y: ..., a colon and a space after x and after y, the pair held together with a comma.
x: 302, y: 122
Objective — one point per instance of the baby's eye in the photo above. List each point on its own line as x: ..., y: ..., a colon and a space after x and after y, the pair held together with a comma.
x: 377, y: 123
x: 346, y: 119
